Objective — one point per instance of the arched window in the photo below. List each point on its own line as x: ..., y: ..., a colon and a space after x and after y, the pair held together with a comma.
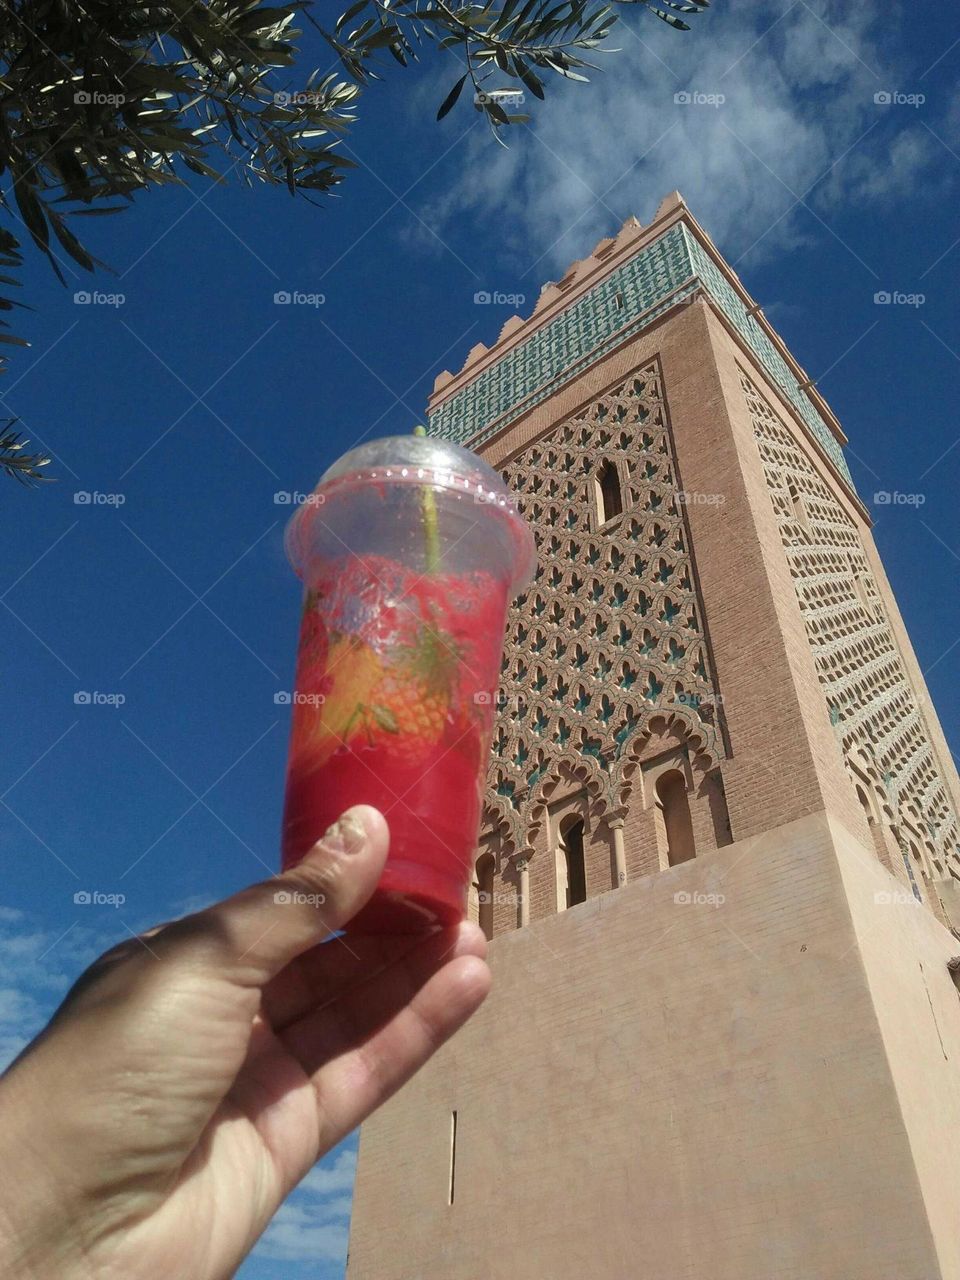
x: 486, y: 867
x: 571, y: 872
x: 609, y: 496
x: 673, y: 804
x: 796, y: 502
x: 860, y: 587
x: 865, y: 804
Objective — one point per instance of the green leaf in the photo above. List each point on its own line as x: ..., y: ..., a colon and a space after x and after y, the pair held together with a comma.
x: 385, y: 718
x: 31, y: 210
x: 530, y: 80
x: 351, y: 13
x: 450, y: 100
x: 384, y: 37
x: 70, y: 242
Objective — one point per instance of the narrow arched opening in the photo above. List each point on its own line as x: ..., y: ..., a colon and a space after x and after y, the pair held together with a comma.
x: 865, y: 804
x: 572, y: 868
x: 486, y: 867
x: 609, y: 493
x: 674, y: 805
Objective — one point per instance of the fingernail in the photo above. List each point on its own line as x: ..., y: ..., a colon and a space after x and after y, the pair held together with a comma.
x: 346, y: 835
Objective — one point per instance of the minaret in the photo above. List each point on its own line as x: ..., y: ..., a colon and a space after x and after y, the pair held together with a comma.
x: 720, y: 858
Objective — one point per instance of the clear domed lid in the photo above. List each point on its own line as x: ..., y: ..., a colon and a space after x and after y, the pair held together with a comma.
x: 409, y: 461
x: 417, y: 459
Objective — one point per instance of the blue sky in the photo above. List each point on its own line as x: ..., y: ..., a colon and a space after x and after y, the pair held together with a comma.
x: 197, y: 399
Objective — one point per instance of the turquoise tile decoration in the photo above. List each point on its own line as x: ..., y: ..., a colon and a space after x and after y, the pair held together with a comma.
x: 670, y: 269
x: 770, y: 359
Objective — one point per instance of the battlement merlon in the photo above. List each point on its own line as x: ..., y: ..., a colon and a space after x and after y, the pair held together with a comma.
x: 625, y: 284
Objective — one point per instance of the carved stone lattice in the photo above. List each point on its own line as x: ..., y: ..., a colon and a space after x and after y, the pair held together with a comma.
x: 872, y: 703
x: 608, y: 639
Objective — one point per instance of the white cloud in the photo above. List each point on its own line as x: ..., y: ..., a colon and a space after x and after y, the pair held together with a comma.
x: 798, y: 93
x: 313, y: 1224
x: 291, y: 1241
x: 37, y: 967
x: 326, y: 1179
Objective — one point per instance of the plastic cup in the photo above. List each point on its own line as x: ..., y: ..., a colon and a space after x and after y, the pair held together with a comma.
x: 410, y: 550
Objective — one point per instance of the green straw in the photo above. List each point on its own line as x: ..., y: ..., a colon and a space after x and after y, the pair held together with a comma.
x: 431, y: 528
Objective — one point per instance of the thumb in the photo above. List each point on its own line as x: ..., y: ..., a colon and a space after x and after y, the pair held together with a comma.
x: 261, y: 929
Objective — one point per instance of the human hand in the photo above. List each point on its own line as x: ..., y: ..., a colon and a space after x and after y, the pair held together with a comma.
x: 192, y: 1077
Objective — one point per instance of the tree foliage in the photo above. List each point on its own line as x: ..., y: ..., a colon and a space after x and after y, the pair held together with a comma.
x: 25, y: 467
x: 102, y: 99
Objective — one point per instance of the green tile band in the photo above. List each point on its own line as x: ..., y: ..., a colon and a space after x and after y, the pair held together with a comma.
x: 673, y: 267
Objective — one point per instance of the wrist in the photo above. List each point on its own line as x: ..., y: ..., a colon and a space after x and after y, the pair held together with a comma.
x: 35, y: 1240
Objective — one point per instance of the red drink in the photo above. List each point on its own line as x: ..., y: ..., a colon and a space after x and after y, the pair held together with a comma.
x: 410, y: 552
x: 397, y: 713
